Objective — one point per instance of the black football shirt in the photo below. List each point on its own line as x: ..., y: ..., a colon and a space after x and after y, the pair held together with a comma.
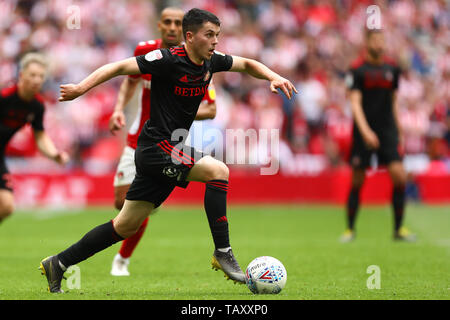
x: 178, y: 86
x: 15, y: 113
x: 377, y: 84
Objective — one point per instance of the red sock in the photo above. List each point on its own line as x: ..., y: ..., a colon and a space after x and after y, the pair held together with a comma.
x: 129, y: 244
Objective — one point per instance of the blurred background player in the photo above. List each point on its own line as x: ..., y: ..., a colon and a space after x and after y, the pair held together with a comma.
x: 373, y: 83
x: 169, y: 25
x: 20, y: 105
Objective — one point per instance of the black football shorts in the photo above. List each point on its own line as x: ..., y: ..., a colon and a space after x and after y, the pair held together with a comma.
x: 387, y: 152
x: 161, y: 167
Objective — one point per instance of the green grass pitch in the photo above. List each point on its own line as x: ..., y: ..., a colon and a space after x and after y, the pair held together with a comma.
x: 173, y: 258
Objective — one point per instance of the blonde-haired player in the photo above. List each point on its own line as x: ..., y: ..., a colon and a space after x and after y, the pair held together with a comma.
x: 21, y: 104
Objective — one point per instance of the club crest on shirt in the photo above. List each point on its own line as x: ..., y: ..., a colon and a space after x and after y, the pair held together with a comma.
x: 171, y: 172
x: 154, y: 55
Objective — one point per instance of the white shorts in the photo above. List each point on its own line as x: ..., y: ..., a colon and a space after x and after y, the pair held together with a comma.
x: 416, y: 163
x: 126, y: 170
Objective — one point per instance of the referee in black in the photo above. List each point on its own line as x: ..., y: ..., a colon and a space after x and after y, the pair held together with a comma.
x: 373, y: 82
x: 180, y: 78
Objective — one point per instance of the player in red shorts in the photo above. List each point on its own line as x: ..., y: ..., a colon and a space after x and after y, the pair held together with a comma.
x: 169, y: 26
x: 20, y: 105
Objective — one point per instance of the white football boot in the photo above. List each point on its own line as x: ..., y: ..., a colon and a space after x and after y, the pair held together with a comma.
x: 120, y: 266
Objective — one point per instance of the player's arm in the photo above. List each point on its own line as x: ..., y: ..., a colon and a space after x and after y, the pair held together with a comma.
x: 260, y: 71
x: 126, y: 92
x: 370, y: 138
x: 48, y: 149
x: 396, y: 112
x: 208, y: 108
x: 124, y: 67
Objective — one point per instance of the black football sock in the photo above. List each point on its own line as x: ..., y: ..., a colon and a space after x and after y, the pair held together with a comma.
x: 398, y: 204
x: 216, y: 211
x: 96, y: 240
x: 352, y: 207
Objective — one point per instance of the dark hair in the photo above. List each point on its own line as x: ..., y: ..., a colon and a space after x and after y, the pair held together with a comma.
x: 195, y: 18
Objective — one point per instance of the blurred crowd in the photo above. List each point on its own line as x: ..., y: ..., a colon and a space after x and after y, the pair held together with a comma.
x: 312, y: 43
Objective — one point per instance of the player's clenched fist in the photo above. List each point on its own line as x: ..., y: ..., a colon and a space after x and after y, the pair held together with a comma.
x: 61, y: 157
x: 117, y: 121
x: 69, y: 92
x: 285, y: 85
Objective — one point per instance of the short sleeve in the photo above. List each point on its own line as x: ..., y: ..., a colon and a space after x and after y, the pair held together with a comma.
x: 38, y: 121
x: 221, y: 62
x: 141, y: 49
x: 353, y: 80
x: 156, y: 62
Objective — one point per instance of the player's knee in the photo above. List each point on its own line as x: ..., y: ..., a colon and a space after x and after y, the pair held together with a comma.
x: 399, y: 181
x: 125, y: 229
x: 218, y: 171
x: 357, y: 182
x: 399, y: 177
x: 130, y: 233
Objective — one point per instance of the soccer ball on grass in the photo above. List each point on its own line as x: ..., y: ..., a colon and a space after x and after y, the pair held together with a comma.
x: 266, y: 275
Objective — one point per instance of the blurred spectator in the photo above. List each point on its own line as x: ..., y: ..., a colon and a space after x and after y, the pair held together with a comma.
x: 310, y: 42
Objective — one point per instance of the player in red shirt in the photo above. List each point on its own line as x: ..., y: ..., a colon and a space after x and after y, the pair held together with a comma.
x: 169, y: 26
x: 20, y: 105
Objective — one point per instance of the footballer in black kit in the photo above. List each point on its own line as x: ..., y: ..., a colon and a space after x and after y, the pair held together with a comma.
x: 180, y: 79
x: 178, y: 87
x: 14, y: 114
x: 377, y: 84
x: 21, y: 104
x: 373, y: 82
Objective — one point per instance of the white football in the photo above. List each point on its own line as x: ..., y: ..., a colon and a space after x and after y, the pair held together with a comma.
x: 266, y: 275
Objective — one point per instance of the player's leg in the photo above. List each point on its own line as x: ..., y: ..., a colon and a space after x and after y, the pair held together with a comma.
x: 215, y: 174
x: 352, y: 206
x: 131, y: 217
x: 121, y: 260
x: 101, y: 237
x: 398, y: 175
x: 389, y: 155
x: 125, y: 174
x: 6, y: 203
x: 120, y: 193
x: 359, y: 161
x: 358, y: 178
x: 6, y: 194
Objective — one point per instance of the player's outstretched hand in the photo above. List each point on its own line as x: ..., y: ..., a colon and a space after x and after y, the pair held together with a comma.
x: 62, y: 157
x: 116, y: 122
x: 69, y: 92
x: 285, y: 85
